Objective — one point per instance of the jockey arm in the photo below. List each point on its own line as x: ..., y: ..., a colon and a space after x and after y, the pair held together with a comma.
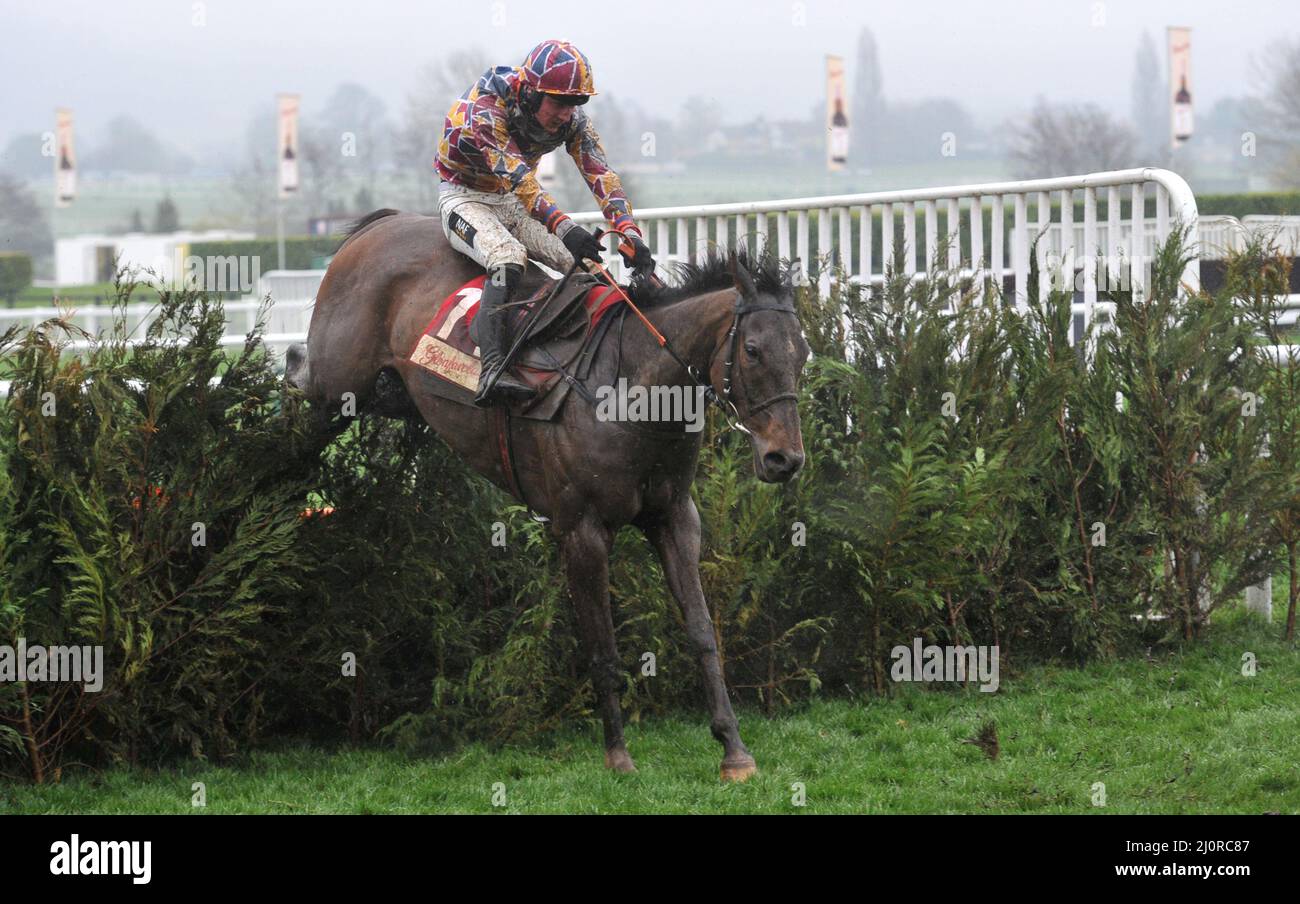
x: 507, y: 163
x: 589, y: 155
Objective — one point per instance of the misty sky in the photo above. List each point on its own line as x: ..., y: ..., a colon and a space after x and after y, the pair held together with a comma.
x: 197, y: 87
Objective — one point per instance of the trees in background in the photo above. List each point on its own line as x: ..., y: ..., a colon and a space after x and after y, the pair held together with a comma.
x: 166, y: 218
x: 1056, y: 139
x: 1278, y: 72
x: 22, y: 157
x: 1149, y: 106
x: 23, y: 227
x: 868, y: 102
x: 346, y: 142
x: 127, y: 146
x: 416, y: 141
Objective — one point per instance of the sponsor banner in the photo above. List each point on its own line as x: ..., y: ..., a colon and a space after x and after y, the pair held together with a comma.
x: 1180, y: 86
x: 65, y: 160
x: 288, y: 147
x: 837, y: 115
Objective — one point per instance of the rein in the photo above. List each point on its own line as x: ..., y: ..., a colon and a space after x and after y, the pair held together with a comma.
x: 724, y: 403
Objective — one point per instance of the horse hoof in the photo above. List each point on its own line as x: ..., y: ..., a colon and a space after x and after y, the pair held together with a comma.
x: 619, y: 761
x: 738, y: 769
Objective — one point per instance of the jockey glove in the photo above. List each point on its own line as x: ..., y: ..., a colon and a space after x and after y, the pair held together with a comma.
x: 642, y: 262
x: 582, y: 244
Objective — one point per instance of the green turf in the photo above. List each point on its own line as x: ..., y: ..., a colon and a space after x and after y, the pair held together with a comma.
x: 1184, y: 732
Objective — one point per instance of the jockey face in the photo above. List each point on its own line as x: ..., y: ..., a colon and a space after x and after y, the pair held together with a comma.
x: 552, y: 114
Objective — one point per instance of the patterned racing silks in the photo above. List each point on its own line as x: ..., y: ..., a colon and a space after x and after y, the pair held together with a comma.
x: 557, y: 67
x: 488, y: 144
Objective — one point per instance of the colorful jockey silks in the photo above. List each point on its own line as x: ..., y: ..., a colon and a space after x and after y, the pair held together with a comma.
x: 487, y: 145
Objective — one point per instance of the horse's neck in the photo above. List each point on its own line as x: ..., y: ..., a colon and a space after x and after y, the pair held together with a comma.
x: 693, y: 327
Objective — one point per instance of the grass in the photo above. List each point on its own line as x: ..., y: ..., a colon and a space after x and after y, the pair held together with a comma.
x: 1184, y: 732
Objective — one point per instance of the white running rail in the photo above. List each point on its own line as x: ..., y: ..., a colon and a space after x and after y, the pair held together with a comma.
x: 988, y: 227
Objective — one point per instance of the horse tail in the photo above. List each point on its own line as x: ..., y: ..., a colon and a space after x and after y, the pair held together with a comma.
x: 363, y: 223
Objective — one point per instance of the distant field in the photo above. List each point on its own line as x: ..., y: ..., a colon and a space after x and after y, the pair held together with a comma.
x: 106, y: 205
x: 1183, y: 732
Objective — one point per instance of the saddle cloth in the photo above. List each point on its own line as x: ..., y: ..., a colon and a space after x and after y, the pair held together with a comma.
x: 566, y: 331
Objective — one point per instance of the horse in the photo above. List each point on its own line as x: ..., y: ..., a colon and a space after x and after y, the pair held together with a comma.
x: 588, y: 475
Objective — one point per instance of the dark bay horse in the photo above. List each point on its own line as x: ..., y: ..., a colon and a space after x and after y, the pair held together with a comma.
x: 588, y: 475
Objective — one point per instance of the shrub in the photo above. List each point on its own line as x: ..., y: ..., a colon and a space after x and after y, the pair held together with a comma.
x: 154, y: 518
x: 970, y: 479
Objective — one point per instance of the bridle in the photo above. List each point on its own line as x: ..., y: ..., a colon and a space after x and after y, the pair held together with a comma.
x: 733, y: 337
x: 735, y: 420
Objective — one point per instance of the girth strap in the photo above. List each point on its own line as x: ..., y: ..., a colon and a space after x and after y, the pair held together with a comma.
x: 505, y: 445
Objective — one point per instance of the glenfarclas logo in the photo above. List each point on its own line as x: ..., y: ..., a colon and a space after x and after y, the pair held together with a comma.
x: 103, y: 858
x: 447, y: 362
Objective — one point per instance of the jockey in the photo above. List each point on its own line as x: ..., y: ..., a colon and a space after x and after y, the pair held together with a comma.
x: 494, y: 210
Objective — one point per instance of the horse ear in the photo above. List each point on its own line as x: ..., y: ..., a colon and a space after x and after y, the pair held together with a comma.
x: 744, y: 282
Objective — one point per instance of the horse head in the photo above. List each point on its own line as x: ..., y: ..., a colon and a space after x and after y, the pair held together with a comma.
x: 758, y: 370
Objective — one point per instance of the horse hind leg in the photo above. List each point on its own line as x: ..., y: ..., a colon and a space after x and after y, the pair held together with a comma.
x: 585, y: 549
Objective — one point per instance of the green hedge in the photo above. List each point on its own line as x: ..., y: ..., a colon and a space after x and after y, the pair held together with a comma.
x: 95, y: 293
x: 959, y: 465
x: 300, y: 252
x: 15, y: 275
x: 1278, y: 203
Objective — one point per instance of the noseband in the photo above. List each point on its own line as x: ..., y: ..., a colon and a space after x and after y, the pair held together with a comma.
x: 726, y: 402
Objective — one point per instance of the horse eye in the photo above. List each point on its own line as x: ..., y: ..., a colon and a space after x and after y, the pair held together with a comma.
x: 751, y: 350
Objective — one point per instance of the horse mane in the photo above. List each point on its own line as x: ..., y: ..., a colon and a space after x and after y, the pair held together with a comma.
x: 363, y: 223
x: 711, y: 273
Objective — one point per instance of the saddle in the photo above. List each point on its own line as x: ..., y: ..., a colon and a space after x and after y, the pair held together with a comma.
x: 555, y: 358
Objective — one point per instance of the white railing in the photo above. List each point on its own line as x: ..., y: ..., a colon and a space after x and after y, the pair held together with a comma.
x: 1285, y: 230
x: 292, y: 294
x: 861, y: 233
x: 990, y: 230
x: 289, y: 316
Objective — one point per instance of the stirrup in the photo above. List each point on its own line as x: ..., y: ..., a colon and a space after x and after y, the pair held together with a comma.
x: 506, y: 390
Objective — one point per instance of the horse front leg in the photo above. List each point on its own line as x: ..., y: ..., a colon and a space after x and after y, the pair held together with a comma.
x: 676, y: 536
x: 585, y: 550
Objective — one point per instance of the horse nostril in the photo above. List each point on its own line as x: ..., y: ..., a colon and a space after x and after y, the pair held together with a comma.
x: 776, y: 463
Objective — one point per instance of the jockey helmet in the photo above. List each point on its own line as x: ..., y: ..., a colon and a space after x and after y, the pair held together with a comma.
x: 556, y: 68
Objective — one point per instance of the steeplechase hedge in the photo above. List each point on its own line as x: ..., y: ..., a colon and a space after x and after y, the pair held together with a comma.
x: 971, y: 478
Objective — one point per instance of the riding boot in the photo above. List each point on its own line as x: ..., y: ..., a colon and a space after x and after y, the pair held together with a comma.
x: 491, y: 322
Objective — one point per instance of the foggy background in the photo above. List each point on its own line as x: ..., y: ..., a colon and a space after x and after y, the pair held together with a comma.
x: 175, y: 117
